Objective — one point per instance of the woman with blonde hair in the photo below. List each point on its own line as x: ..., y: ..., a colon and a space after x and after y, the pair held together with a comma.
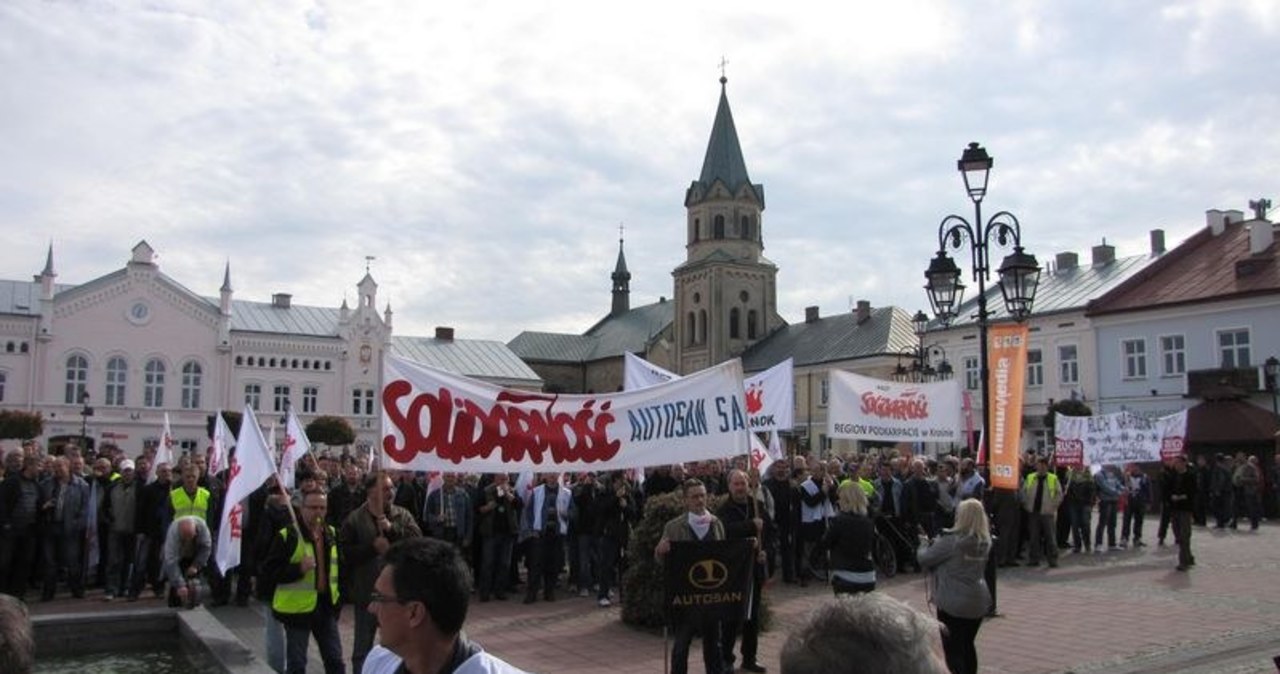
x: 850, y: 540
x: 956, y: 561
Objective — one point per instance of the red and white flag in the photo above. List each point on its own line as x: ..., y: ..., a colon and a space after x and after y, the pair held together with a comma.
x: 164, y: 451
x: 296, y: 446
x: 222, y: 444
x: 250, y: 467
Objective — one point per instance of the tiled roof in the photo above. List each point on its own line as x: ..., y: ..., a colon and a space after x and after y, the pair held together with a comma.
x: 1202, y: 268
x: 469, y: 357
x: 834, y: 338
x: 1061, y: 290
x: 611, y: 337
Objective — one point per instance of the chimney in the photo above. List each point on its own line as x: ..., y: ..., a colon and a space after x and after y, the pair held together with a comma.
x: 1218, y: 220
x: 811, y: 314
x: 863, y: 311
x: 1103, y: 254
x: 281, y: 300
x: 444, y: 334
x: 1261, y: 235
x: 1157, y: 242
x: 1068, y: 261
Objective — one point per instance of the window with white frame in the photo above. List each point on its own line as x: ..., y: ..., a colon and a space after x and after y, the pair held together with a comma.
x: 280, y: 398
x: 153, y: 383
x: 253, y: 396
x: 362, y: 401
x: 117, y: 376
x: 77, y: 379
x: 1233, y: 347
x: 310, y: 394
x: 1035, y: 367
x: 1134, y: 352
x: 1173, y: 355
x: 972, y: 375
x: 192, y: 378
x: 1068, y: 365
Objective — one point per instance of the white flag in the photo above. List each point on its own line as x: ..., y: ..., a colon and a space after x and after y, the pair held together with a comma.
x: 222, y: 444
x: 250, y: 467
x: 296, y: 446
x: 164, y: 451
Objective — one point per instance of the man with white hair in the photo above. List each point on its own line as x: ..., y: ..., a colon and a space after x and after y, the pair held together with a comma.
x: 877, y: 632
x: 121, y: 512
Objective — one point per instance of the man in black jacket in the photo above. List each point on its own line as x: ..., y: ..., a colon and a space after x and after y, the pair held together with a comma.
x: 786, y: 513
x: 745, y: 517
x: 1182, y: 497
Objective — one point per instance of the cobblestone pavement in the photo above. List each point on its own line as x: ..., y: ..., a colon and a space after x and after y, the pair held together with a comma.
x: 1123, y: 612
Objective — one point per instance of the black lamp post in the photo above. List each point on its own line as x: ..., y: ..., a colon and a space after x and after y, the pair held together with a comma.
x: 1272, y: 369
x: 85, y: 413
x: 1019, y: 274
x: 921, y: 367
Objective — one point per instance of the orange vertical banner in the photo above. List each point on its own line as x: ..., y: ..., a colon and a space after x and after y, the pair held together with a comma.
x: 1006, y: 384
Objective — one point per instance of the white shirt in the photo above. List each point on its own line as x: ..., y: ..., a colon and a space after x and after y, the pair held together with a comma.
x: 382, y: 661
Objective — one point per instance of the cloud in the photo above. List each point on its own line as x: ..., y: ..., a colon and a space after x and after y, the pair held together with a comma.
x: 486, y: 154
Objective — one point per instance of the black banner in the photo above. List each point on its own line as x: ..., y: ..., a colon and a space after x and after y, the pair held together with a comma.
x: 709, y: 579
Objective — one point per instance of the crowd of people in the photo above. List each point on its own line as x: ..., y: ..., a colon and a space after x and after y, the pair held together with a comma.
x: 76, y: 521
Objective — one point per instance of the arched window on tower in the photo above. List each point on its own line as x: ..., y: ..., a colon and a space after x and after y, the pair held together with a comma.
x: 752, y: 328
x: 697, y: 229
x: 718, y: 232
x: 734, y: 319
x: 691, y: 336
x: 702, y: 326
x: 745, y: 228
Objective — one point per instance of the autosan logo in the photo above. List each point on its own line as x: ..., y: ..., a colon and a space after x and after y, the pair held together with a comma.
x: 708, y: 574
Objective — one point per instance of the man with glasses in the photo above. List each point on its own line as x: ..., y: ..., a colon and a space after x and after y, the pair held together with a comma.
x: 420, y: 600
x: 303, y: 562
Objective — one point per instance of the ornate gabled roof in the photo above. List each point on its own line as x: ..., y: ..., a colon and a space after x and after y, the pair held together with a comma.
x: 887, y: 331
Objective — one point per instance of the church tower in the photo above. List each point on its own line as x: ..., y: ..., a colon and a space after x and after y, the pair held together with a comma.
x: 725, y: 291
x: 621, y: 285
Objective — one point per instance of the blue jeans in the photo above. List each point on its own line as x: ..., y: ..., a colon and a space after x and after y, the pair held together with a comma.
x: 588, y: 561
x: 323, y: 625
x: 1107, y: 521
x: 273, y: 637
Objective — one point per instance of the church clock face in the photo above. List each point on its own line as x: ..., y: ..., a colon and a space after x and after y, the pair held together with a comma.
x: 138, y: 313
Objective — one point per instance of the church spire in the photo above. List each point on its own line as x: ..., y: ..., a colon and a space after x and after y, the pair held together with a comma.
x: 724, y: 154
x: 621, y: 281
x: 48, y: 263
x: 226, y: 278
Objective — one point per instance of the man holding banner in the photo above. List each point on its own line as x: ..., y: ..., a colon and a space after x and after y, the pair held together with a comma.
x: 696, y: 525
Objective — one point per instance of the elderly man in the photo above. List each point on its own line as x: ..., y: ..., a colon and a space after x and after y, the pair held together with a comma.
x: 366, y: 534
x: 877, y: 632
x: 745, y: 517
x: 544, y: 524
x: 187, y: 545
x: 20, y: 511
x: 122, y: 514
x: 65, y: 499
x: 420, y: 600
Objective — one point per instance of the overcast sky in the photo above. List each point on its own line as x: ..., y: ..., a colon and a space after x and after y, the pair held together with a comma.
x: 486, y: 153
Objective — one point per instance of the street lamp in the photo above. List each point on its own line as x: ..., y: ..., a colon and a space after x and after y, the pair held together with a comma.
x: 1272, y: 369
x: 922, y: 369
x: 85, y: 413
x: 1019, y: 273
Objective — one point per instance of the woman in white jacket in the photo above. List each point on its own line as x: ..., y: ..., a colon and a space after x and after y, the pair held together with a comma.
x: 955, y: 562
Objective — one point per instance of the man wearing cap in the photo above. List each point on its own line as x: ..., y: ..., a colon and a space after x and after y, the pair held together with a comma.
x: 121, y: 505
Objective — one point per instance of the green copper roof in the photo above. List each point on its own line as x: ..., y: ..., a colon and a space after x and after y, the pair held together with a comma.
x: 724, y: 153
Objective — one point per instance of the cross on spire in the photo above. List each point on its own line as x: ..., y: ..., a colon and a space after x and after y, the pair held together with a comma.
x: 368, y: 261
x: 723, y: 62
x: 621, y: 229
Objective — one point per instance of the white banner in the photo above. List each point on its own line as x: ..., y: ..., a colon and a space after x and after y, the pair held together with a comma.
x: 1117, y: 439
x: 874, y: 409
x: 771, y: 395
x: 296, y: 446
x: 436, y: 420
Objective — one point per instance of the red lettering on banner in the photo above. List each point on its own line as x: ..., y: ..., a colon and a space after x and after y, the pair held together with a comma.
x: 234, y: 519
x: 907, y: 406
x: 458, y: 429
